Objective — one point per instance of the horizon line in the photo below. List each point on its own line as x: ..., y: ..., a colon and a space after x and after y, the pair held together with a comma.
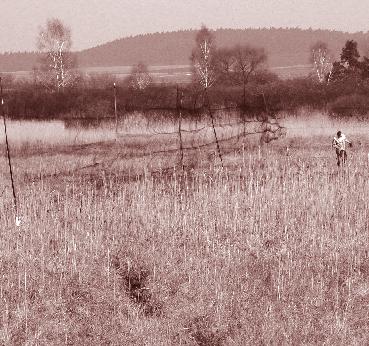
x: 192, y: 29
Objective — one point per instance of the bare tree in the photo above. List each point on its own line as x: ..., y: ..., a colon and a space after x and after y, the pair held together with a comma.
x: 139, y: 78
x: 225, y: 64
x: 246, y: 61
x: 322, y: 61
x: 56, y: 64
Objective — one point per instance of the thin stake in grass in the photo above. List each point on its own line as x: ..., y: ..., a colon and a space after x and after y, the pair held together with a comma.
x: 115, y: 111
x: 179, y: 111
x: 17, y: 219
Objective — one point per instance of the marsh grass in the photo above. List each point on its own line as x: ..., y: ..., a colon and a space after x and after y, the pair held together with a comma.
x: 271, y: 249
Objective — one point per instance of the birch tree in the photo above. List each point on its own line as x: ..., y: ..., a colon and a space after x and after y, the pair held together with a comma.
x: 54, y: 40
x: 205, y: 71
x: 203, y: 59
x: 322, y: 62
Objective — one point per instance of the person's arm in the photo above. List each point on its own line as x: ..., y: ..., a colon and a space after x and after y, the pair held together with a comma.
x: 349, y: 143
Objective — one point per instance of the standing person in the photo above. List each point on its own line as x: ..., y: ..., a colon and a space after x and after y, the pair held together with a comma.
x: 339, y: 143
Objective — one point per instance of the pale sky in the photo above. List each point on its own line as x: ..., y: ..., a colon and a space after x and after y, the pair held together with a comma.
x: 95, y: 22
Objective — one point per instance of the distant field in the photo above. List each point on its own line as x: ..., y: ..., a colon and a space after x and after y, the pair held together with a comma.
x: 296, y: 71
x: 160, y: 74
x: 173, y: 73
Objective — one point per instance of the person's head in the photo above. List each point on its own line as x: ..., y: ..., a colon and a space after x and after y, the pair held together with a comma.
x: 339, y: 133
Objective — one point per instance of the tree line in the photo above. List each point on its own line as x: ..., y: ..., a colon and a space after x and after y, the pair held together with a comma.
x: 285, y: 46
x: 235, y: 77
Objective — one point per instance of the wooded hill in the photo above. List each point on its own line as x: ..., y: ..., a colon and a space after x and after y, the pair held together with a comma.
x: 285, y: 47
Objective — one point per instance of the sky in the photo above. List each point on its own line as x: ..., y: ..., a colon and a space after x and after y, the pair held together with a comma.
x: 95, y: 22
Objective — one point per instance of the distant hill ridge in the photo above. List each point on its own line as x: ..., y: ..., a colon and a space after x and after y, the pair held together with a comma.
x: 285, y: 47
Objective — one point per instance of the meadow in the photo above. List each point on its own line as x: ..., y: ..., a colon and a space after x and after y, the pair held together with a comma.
x: 168, y: 73
x: 119, y: 245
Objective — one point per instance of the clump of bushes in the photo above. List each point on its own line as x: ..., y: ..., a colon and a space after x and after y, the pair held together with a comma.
x: 349, y: 105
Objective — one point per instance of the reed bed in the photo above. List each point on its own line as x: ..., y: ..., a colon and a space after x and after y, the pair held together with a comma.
x: 271, y: 250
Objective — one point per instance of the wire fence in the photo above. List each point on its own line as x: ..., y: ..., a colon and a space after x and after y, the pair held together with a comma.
x: 181, y: 137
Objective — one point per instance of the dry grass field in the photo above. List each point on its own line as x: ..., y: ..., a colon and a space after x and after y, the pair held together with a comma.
x: 119, y: 246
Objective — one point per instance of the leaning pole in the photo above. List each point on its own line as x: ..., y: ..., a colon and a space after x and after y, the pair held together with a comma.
x: 17, y: 219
